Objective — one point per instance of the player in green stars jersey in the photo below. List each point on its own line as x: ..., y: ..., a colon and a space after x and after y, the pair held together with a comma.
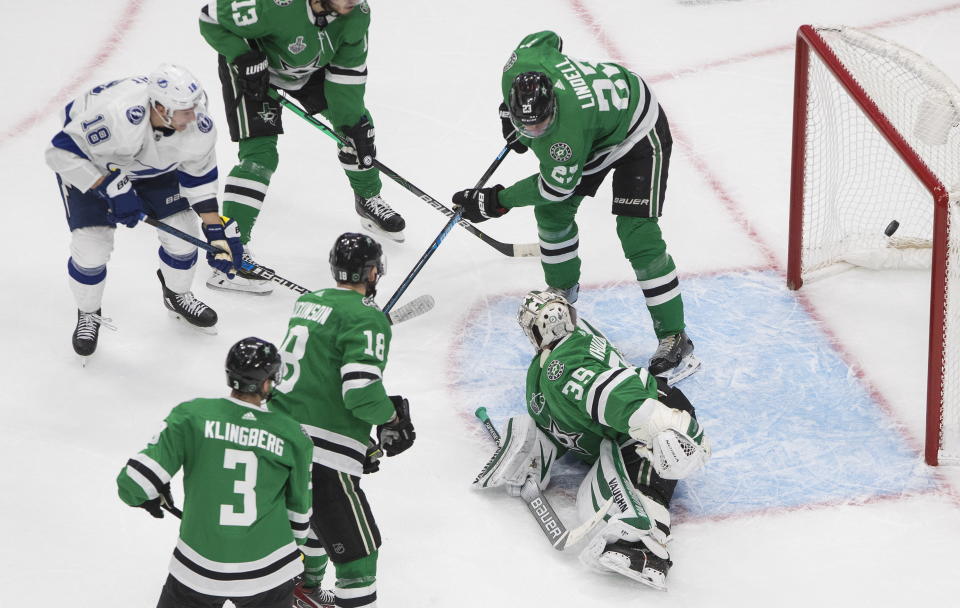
x: 584, y: 120
x: 639, y: 435
x: 316, y: 51
x: 334, y: 354
x: 246, y: 481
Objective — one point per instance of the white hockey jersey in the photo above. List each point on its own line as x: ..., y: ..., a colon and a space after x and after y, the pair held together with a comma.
x: 109, y: 128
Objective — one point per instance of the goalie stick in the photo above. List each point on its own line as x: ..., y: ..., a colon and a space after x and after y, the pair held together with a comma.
x: 550, y: 523
x: 413, y: 308
x: 508, y: 249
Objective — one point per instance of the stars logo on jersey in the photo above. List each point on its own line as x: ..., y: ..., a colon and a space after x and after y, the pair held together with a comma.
x: 555, y: 370
x: 297, y: 45
x: 571, y: 441
x: 537, y: 402
x: 364, y: 7
x: 136, y: 114
x: 268, y: 114
x: 561, y: 152
x: 510, y: 62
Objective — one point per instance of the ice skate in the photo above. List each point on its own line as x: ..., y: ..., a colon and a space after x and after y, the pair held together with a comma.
x: 315, y: 597
x: 377, y: 217
x: 570, y: 294
x: 187, y: 307
x: 636, y: 562
x: 87, y: 332
x: 244, y: 280
x: 674, y: 358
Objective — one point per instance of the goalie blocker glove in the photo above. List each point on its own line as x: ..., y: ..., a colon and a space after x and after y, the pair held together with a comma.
x: 224, y: 236
x: 509, y: 131
x: 397, y: 435
x: 253, y: 75
x: 124, y: 205
x: 479, y: 205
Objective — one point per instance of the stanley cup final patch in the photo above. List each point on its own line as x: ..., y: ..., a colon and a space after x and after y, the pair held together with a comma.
x: 561, y: 152
x: 510, y: 62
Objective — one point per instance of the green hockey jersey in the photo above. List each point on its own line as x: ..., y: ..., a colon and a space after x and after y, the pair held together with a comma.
x: 286, y: 31
x: 247, y: 493
x: 603, y: 110
x: 334, y: 355
x: 583, y: 391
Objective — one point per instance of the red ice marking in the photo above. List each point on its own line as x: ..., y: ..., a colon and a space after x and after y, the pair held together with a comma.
x: 107, y: 49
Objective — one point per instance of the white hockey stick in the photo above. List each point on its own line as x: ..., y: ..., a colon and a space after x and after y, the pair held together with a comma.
x: 550, y: 523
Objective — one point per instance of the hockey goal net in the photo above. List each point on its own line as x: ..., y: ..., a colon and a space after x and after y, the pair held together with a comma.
x: 875, y: 175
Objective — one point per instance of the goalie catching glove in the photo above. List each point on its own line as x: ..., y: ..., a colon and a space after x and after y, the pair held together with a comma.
x: 671, y: 438
x: 226, y: 237
x: 479, y: 205
x: 397, y: 435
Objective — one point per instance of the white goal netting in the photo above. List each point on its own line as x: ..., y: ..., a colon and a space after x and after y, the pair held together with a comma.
x: 855, y: 183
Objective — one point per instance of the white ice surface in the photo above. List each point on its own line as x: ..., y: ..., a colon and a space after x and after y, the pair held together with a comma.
x: 723, y: 71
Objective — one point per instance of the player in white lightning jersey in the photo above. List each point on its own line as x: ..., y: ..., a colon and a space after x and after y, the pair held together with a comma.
x: 140, y: 145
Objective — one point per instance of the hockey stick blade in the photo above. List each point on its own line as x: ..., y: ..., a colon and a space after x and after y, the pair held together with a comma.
x: 412, y: 309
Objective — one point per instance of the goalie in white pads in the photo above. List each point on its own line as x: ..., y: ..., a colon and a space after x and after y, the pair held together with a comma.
x: 140, y: 145
x: 639, y: 434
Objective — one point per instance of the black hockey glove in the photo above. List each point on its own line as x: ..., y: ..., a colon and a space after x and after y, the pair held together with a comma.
x: 510, y: 132
x: 361, y: 138
x: 153, y: 507
x: 397, y: 435
x: 371, y: 463
x: 253, y: 74
x: 480, y: 205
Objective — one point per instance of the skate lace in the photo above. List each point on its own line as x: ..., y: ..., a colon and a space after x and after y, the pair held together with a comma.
x: 378, y: 207
x: 666, y: 346
x: 89, y: 321
x: 190, y: 304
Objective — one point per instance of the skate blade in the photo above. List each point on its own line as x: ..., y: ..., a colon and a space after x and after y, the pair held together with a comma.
x: 83, y: 360
x: 370, y: 226
x: 253, y: 289
x: 687, y: 367
x: 210, y: 331
x: 655, y: 580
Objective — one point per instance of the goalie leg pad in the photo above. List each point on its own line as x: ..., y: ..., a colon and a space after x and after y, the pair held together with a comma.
x: 608, y: 478
x: 525, y: 451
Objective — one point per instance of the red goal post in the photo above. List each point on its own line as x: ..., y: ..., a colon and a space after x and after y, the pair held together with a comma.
x: 875, y: 140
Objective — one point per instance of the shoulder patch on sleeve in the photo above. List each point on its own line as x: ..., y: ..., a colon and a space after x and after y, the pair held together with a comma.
x: 136, y: 114
x: 554, y: 370
x: 204, y: 123
x: 512, y: 60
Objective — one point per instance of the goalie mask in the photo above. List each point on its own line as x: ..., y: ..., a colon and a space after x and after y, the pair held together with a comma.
x: 546, y: 317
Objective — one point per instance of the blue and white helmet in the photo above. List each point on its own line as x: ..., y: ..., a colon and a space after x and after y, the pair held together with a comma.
x: 175, y: 88
x: 546, y: 317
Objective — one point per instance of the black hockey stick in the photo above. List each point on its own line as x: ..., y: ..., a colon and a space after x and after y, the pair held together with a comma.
x: 508, y: 249
x: 550, y: 523
x: 414, y: 308
x: 443, y: 234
